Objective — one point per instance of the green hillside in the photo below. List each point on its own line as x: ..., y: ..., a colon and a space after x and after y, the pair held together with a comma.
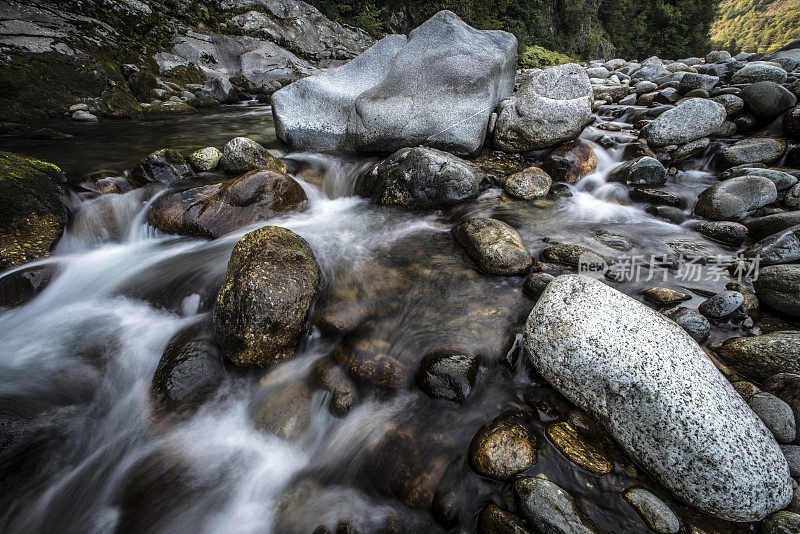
x: 756, y: 25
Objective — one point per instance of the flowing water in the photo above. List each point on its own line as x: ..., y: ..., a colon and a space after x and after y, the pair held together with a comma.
x: 82, y: 449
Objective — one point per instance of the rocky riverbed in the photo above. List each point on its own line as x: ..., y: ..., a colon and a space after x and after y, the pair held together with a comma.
x: 421, y: 292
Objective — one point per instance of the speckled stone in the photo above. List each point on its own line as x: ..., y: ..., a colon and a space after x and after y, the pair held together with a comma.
x: 778, y: 248
x: 242, y: 154
x: 503, y: 449
x: 528, y: 184
x: 658, y: 516
x: 721, y: 305
x: 549, y: 508
x: 776, y: 414
x: 760, y: 357
x: 664, y: 402
x: 205, y: 159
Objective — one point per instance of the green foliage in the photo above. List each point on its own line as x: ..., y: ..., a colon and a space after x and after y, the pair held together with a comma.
x: 535, y: 57
x: 636, y: 28
x: 756, y: 25
x: 666, y: 28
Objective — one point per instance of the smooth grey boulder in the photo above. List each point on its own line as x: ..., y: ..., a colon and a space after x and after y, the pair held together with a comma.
x: 759, y: 72
x: 776, y: 414
x: 689, y: 120
x: 782, y: 180
x: 438, y: 88
x: 659, y: 395
x: 760, y: 357
x: 692, y: 321
x: 778, y: 286
x: 658, y: 516
x: 734, y: 198
x: 768, y: 99
x: 721, y: 305
x: 691, y: 81
x: 552, y: 106
x: 781, y: 247
x: 753, y: 150
x: 421, y: 178
x: 761, y: 227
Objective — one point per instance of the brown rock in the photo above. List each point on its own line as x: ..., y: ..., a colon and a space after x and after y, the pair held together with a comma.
x: 503, y: 449
x: 579, y: 451
x: 570, y: 162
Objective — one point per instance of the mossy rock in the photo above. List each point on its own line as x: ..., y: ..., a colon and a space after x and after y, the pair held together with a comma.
x: 262, y: 308
x: 119, y: 103
x: 537, y: 57
x: 185, y: 74
x: 34, y: 213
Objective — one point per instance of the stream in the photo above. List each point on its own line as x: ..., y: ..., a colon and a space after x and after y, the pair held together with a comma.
x: 85, y: 452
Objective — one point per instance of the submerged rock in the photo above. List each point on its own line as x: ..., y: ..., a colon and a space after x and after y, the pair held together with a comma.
x: 447, y: 376
x: 190, y: 370
x: 212, y: 211
x: 550, y: 107
x: 34, y: 212
x: 270, y: 284
x: 494, y: 520
x: 665, y: 403
x: 495, y: 246
x: 503, y: 449
x: 421, y: 178
x: 655, y: 513
x: 579, y: 450
x: 404, y: 92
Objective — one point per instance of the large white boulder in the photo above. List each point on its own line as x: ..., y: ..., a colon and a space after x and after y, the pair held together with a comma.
x: 659, y: 395
x: 437, y: 88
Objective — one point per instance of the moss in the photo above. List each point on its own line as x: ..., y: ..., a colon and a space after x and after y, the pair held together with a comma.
x: 535, y: 57
x: 33, y: 214
x: 184, y: 74
x: 119, y: 103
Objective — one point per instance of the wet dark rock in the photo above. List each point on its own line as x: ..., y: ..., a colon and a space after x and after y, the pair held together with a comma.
x: 768, y: 99
x: 637, y: 150
x: 640, y: 171
x: 733, y: 104
x: 691, y: 81
x: 19, y: 286
x: 776, y: 415
x: 168, y: 108
x: 782, y: 180
x: 658, y: 516
x: 535, y: 283
x: 328, y: 376
x: 671, y: 213
x: 792, y: 198
x: 572, y: 255
x: 503, y: 449
x: 778, y: 248
x: 34, y: 212
x: 283, y: 409
x: 664, y: 296
x: 734, y: 198
x: 654, y: 196
x: 761, y: 227
x: 421, y: 178
x: 783, y: 522
x: 745, y: 388
x: 447, y: 376
x: 691, y: 148
x: 495, y: 246
x: 731, y: 233
x: 190, y: 370
x: 693, y: 322
x: 753, y: 150
x: 570, y: 162
x: 760, y: 357
x: 369, y: 106
x: 578, y: 449
x: 262, y: 307
x: 792, y: 454
x: 778, y: 286
x: 369, y: 358
x: 494, y: 520
x: 549, y: 508
x: 615, y: 241
x: 550, y: 107
x: 242, y: 154
x: 721, y: 305
x: 164, y: 167
x: 214, y: 210
x: 528, y: 184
